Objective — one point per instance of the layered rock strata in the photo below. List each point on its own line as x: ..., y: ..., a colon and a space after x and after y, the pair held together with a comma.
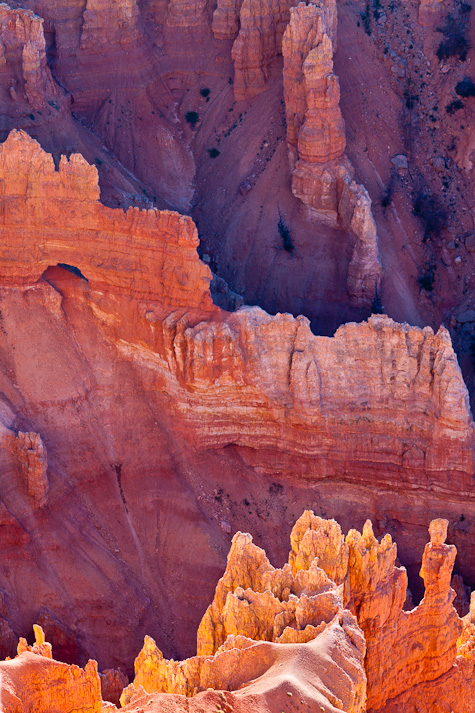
x: 298, y: 616
x: 113, y: 298
x: 258, y: 29
x: 322, y: 176
x: 33, y: 681
x: 262, y: 25
x: 300, y: 603
x: 24, y: 75
x: 107, y: 24
x: 162, y: 244
x: 257, y: 641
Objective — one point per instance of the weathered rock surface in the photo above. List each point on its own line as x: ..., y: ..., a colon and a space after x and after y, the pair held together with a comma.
x: 40, y: 647
x: 258, y: 43
x: 29, y: 176
x: 404, y: 648
x: 106, y: 23
x: 34, y: 465
x: 300, y: 617
x: 34, y: 682
x: 321, y: 173
x: 226, y: 20
x: 254, y: 601
x: 430, y: 11
x: 25, y: 78
x: 238, y: 396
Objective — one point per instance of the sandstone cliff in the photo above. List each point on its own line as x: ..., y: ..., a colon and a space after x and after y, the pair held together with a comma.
x: 262, y: 25
x: 242, y: 395
x: 274, y: 633
x: 33, y: 681
x: 255, y: 601
x: 24, y: 75
x: 321, y: 172
x: 106, y: 23
x: 34, y: 466
x: 254, y: 604
x: 162, y: 244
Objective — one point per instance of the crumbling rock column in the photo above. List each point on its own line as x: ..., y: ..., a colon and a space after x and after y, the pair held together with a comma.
x: 262, y: 25
x: 23, y: 69
x: 403, y: 648
x: 364, y: 272
x: 322, y: 176
x: 40, y: 647
x: 226, y: 21
x: 107, y: 24
x: 33, y: 463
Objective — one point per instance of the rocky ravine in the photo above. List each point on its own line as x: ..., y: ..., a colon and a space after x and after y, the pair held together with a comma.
x: 327, y: 631
x: 141, y: 424
x: 117, y: 369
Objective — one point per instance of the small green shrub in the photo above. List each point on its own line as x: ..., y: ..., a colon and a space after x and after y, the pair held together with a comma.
x: 454, y: 106
x: 366, y: 19
x: 205, y: 92
x: 285, y: 234
x: 455, y: 41
x: 192, y: 117
x: 465, y: 88
x: 426, y: 279
x: 214, y: 153
x: 430, y: 212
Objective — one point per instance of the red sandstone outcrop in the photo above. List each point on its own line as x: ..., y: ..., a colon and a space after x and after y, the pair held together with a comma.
x: 113, y: 683
x: 162, y: 244
x: 255, y: 394
x: 262, y: 619
x: 40, y: 647
x: 327, y: 670
x: 258, y: 43
x: 259, y: 29
x: 34, y: 465
x: 225, y: 23
x: 186, y: 13
x: 410, y: 657
x: 321, y: 173
x: 404, y: 648
x: 24, y: 74
x: 108, y: 23
x: 255, y: 601
x: 260, y: 602
x: 33, y: 681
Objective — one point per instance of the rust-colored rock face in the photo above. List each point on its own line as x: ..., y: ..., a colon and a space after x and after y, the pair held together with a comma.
x: 118, y: 19
x: 241, y: 395
x: 321, y: 173
x: 29, y: 176
x: 34, y: 682
x: 405, y: 650
x: 141, y: 425
x: 259, y: 41
x: 271, y: 633
x: 301, y: 617
x: 24, y: 75
x: 34, y: 466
